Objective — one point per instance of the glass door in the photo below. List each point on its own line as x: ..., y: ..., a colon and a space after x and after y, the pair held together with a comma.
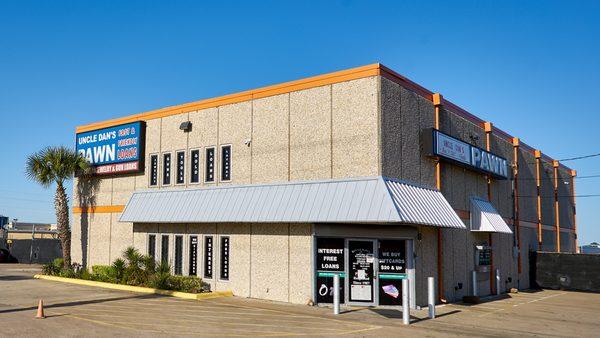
x: 361, y: 278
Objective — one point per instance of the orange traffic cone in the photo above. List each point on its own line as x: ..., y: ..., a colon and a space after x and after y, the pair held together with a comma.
x: 40, y: 313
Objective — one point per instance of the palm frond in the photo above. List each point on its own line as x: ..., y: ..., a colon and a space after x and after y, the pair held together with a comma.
x: 55, y: 165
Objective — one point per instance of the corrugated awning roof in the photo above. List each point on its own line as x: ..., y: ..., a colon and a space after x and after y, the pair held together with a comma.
x: 485, y: 218
x: 355, y: 200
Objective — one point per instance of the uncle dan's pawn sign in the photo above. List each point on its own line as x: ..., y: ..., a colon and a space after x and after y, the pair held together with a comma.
x: 114, y: 150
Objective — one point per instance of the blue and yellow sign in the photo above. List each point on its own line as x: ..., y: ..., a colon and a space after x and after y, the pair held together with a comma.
x: 113, y: 150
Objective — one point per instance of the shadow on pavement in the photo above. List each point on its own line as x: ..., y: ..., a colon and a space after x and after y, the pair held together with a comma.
x: 85, y: 302
x: 14, y: 277
x: 397, y: 314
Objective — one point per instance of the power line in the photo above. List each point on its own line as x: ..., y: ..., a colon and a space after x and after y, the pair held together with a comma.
x: 552, y: 178
x: 559, y: 196
x: 579, y: 157
x: 24, y: 192
x: 570, y: 158
x: 25, y: 199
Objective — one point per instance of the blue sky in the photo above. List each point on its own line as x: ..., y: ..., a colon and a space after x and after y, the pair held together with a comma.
x: 530, y: 67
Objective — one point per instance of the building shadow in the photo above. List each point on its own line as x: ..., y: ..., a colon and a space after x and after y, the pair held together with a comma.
x: 14, y: 277
x: 87, y: 187
x: 77, y: 303
x: 397, y: 313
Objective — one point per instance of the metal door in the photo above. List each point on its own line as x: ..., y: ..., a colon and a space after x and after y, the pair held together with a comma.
x: 361, y: 281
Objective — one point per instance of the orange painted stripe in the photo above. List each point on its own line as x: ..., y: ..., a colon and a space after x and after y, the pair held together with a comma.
x: 99, y: 209
x: 287, y: 87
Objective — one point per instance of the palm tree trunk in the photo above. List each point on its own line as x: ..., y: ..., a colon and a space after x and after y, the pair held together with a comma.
x: 61, y: 206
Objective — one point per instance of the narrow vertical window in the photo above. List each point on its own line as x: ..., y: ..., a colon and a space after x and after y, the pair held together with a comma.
x: 152, y: 246
x: 193, y: 257
x: 224, y: 258
x: 210, y: 165
x: 164, y: 249
x: 153, y: 170
x: 178, y: 255
x: 208, y: 257
x: 195, y: 166
x: 166, y: 169
x: 226, y: 163
x: 180, y: 167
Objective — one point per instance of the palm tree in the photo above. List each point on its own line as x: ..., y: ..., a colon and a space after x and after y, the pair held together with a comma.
x: 57, y: 165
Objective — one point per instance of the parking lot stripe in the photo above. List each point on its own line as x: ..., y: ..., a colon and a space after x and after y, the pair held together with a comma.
x: 229, y: 324
x: 324, y: 321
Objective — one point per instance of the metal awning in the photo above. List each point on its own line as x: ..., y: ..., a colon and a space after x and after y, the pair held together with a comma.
x: 354, y: 200
x: 485, y: 218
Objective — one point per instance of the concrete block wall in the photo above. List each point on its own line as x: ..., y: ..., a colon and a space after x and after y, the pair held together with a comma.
x: 527, y: 187
x: 547, y: 198
x: 310, y: 134
x: 302, y: 135
x: 403, y: 115
x: 472, y: 184
x: 426, y: 262
x: 364, y: 127
x: 502, y: 198
x: 255, y: 250
x: 406, y: 114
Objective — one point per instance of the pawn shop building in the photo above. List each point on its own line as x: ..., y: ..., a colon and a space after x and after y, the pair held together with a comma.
x: 361, y: 172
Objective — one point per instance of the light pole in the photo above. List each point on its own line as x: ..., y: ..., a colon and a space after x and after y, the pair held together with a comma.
x: 31, y: 247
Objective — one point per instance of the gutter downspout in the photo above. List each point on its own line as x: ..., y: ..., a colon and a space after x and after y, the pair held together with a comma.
x: 556, y: 206
x: 516, y: 215
x: 573, y: 175
x: 437, y: 103
x: 538, y: 156
x: 488, y: 127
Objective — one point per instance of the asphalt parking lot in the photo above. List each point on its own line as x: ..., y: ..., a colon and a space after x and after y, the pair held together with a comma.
x: 74, y: 310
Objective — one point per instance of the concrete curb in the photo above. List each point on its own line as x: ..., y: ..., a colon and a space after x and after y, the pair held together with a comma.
x: 139, y: 289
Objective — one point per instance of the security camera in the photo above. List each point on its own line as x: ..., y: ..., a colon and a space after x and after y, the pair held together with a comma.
x: 247, y: 142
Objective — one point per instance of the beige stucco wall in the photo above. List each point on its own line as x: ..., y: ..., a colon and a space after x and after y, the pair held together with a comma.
x: 317, y: 133
x: 405, y: 115
x: 267, y: 261
x: 365, y: 127
x: 310, y: 133
x: 355, y: 128
x: 270, y: 139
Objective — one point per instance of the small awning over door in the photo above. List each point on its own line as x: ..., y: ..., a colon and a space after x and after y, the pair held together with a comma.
x: 353, y: 200
x: 485, y: 218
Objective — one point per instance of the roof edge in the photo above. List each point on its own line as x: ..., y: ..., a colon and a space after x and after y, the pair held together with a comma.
x: 373, y: 69
x: 281, y: 88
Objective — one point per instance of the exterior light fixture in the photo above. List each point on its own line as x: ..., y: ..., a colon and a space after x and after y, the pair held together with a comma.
x: 186, y: 126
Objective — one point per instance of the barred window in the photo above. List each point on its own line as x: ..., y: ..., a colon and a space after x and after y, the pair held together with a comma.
x: 178, y: 255
x: 210, y: 165
x: 166, y: 169
x: 153, y: 170
x: 152, y: 246
x: 193, y: 257
x: 226, y: 163
x: 224, y: 258
x: 164, y: 249
x: 180, y: 167
x: 195, y: 166
x: 208, y: 257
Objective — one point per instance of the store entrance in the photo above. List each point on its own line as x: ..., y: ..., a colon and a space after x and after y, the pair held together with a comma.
x: 362, y: 280
x: 370, y: 270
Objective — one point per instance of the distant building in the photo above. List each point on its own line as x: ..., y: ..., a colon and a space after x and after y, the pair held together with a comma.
x: 3, y: 221
x: 31, y: 242
x: 25, y: 230
x: 593, y: 248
